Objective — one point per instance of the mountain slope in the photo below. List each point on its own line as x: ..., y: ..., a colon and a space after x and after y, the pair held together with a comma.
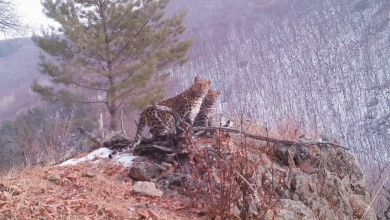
x: 322, y: 64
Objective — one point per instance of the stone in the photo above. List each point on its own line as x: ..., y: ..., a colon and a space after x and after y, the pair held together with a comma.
x: 167, y: 166
x: 6, y: 196
x: 306, y: 138
x: 173, y: 179
x: 291, y: 210
x: 285, y: 154
x: 89, y: 174
x: 264, y: 163
x: 147, y: 189
x: 15, y: 190
x: 301, y: 155
x: 144, y: 172
x: 2, y: 187
x: 54, y: 177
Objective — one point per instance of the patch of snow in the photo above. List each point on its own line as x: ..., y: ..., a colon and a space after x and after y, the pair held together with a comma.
x: 125, y: 159
x: 226, y: 123
x: 102, y: 153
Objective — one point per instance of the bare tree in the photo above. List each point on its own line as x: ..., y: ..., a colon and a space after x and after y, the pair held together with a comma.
x: 11, y: 24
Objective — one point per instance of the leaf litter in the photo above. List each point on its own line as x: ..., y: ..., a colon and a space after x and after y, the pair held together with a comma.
x: 85, y: 190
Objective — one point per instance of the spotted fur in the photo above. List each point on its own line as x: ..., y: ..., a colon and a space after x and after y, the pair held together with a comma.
x: 207, y: 110
x: 187, y: 104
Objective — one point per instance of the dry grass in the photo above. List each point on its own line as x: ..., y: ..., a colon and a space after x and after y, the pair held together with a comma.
x: 67, y: 193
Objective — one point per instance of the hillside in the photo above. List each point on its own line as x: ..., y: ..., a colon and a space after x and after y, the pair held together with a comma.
x: 320, y: 64
x: 18, y: 62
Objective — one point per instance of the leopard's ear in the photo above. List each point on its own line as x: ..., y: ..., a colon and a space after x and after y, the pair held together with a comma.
x: 213, y: 92
x: 197, y: 79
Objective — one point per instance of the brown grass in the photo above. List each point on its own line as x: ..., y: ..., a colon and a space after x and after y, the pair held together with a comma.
x: 72, y: 195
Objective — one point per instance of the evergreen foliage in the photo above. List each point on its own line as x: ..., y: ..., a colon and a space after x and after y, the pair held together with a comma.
x: 117, y: 51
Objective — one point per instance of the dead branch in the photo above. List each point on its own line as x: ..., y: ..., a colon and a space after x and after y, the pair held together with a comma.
x: 122, y: 124
x: 101, y: 128
x: 264, y: 138
x: 91, y: 136
x: 164, y: 149
x: 153, y: 150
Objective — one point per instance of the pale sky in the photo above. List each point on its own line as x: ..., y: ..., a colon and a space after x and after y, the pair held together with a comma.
x: 31, y: 10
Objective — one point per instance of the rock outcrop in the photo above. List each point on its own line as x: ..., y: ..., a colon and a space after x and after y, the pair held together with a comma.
x: 288, y: 180
x: 321, y: 181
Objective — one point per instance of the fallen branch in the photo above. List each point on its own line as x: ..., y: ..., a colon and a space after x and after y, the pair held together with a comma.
x: 164, y: 149
x: 91, y: 136
x: 264, y: 138
x: 153, y: 148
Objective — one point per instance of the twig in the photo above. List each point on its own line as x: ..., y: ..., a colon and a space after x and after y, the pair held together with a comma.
x: 161, y: 168
x: 365, y: 213
x: 246, y: 181
x: 153, y: 214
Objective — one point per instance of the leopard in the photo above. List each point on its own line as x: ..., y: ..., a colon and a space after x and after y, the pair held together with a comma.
x: 187, y: 105
x: 205, y: 117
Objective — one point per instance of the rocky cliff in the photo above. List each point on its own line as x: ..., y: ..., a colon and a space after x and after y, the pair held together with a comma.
x: 323, y: 182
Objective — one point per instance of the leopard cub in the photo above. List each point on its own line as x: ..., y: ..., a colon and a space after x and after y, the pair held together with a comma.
x: 186, y: 104
x: 207, y: 110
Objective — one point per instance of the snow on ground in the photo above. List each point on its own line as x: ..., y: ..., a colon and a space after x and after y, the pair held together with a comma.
x: 101, y: 153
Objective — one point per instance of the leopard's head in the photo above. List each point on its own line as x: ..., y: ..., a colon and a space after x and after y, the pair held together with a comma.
x: 200, y: 86
x: 212, y: 96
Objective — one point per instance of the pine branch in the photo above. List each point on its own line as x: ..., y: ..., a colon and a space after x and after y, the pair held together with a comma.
x: 137, y: 33
x: 77, y: 101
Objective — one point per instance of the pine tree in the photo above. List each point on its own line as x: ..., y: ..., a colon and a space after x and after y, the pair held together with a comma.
x: 118, y: 50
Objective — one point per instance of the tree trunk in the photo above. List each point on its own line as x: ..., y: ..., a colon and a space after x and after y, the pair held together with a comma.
x: 111, y: 100
x: 113, y: 119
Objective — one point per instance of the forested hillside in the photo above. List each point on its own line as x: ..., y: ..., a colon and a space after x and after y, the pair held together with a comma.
x: 18, y: 68
x: 322, y: 64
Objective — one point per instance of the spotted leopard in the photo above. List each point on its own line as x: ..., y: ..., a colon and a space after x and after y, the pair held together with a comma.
x: 187, y: 104
x: 207, y: 110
